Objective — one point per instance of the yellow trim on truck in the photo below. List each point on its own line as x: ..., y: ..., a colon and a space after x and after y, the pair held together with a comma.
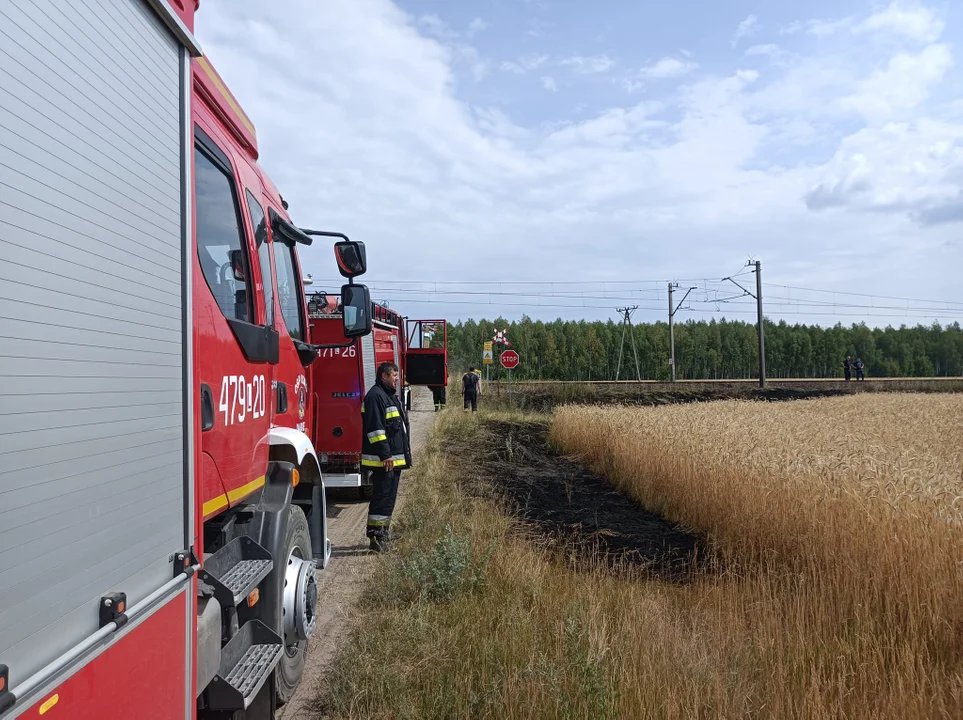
x: 232, y: 496
x: 214, y: 504
x: 216, y: 79
x: 245, y: 490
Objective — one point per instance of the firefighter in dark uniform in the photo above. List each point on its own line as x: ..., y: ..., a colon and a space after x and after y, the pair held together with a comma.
x: 471, y: 381
x: 438, y: 392
x: 385, y: 450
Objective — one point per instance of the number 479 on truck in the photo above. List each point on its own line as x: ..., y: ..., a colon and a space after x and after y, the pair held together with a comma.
x: 161, y: 506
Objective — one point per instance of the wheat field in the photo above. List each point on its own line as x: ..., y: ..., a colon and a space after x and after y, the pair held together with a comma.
x: 835, y: 529
x: 842, y: 517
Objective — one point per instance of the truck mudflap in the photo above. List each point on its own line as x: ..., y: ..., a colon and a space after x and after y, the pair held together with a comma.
x: 316, y: 508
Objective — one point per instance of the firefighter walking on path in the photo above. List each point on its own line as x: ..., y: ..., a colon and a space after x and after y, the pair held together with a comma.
x: 385, y: 450
x: 471, y: 385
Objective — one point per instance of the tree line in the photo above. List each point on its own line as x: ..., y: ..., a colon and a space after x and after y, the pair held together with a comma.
x: 717, y: 349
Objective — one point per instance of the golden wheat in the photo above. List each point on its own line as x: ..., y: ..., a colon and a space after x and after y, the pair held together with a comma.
x: 847, y: 511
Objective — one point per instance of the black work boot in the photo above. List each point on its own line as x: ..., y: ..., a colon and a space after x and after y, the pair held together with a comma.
x: 376, y: 544
x: 379, y: 541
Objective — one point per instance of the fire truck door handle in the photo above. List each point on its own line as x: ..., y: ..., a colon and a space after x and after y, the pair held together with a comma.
x: 207, y: 407
x: 282, y: 398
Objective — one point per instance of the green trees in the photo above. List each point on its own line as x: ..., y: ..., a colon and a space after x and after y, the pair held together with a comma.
x: 718, y: 349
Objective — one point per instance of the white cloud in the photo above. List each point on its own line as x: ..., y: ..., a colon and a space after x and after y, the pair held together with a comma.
x: 437, y: 27
x: 749, y: 26
x: 526, y: 63
x: 662, y: 69
x: 378, y: 140
x: 825, y: 28
x: 907, y: 167
x: 476, y: 26
x: 911, y: 19
x: 589, y: 65
x: 902, y: 85
x: 775, y: 53
x: 549, y: 84
x: 906, y: 18
x: 668, y: 67
x: 792, y: 28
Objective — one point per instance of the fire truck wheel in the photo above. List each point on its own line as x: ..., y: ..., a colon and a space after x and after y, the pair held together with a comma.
x: 299, y: 595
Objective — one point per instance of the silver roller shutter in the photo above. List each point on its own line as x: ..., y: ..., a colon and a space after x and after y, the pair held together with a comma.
x: 92, y: 440
x: 397, y: 361
x: 367, y: 362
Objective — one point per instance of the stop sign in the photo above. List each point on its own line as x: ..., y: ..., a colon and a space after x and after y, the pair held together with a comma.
x: 509, y: 359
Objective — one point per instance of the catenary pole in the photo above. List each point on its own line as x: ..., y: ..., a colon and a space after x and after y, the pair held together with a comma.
x: 761, y: 326
x: 671, y: 336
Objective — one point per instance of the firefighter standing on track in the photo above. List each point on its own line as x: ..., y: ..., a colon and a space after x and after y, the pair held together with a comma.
x: 385, y: 450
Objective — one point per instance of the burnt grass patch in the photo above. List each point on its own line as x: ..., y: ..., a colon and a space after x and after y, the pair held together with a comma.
x: 545, y: 397
x: 567, y: 509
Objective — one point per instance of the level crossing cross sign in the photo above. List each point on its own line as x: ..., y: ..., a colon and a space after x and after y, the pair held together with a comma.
x: 509, y: 359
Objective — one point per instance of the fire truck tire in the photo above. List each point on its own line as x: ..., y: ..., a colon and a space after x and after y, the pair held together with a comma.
x: 297, y: 543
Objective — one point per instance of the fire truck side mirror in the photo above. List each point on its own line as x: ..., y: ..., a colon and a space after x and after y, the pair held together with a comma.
x: 352, y: 260
x: 356, y: 312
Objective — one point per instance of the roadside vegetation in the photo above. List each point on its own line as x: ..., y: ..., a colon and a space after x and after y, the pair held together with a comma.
x: 828, y: 585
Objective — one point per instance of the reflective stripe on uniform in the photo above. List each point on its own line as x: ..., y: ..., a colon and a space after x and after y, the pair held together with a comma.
x: 379, y: 520
x: 375, y: 461
x: 391, y: 412
x: 377, y: 436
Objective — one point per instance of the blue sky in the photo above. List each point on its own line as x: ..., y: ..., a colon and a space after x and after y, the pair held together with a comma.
x: 601, y: 148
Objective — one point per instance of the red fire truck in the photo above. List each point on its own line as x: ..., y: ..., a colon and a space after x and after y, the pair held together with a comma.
x: 342, y: 375
x: 161, y: 508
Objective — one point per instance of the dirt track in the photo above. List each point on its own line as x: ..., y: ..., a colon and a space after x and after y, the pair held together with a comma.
x: 341, y: 582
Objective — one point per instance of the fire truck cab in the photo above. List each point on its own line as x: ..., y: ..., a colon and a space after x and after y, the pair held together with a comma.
x: 342, y: 375
x: 162, y: 508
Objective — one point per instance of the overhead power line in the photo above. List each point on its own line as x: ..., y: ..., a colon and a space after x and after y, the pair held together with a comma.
x: 598, y: 286
x: 865, y: 295
x: 730, y: 309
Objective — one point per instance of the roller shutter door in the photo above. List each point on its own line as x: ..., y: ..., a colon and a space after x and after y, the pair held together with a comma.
x: 92, y: 440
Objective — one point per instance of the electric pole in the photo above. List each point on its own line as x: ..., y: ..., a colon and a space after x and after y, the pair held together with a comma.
x: 671, y: 338
x: 672, y: 311
x: 759, y: 319
x: 761, y: 326
x: 627, y: 324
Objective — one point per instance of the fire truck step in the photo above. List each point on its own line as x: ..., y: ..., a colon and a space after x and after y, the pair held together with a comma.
x: 246, y: 662
x: 236, y: 569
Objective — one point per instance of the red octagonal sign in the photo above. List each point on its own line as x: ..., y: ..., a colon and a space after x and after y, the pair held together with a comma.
x: 509, y: 359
